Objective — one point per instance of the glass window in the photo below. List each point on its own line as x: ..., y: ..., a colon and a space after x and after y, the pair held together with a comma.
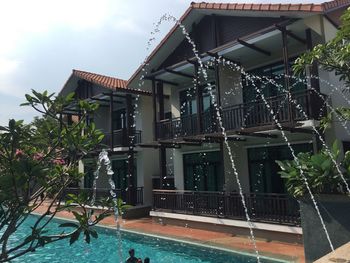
x: 188, y: 100
x: 120, y: 169
x: 203, y: 171
x: 263, y: 169
x: 89, y: 170
x: 119, y: 119
x: 273, y: 72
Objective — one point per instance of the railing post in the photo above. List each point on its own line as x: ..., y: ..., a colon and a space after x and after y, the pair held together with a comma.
x: 154, y: 104
x: 111, y: 119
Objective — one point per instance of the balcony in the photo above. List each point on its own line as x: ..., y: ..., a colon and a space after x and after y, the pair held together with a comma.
x: 269, y: 208
x: 120, y: 138
x: 105, y: 192
x: 248, y: 115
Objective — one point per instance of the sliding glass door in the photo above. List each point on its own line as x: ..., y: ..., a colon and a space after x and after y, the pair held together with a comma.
x: 203, y: 171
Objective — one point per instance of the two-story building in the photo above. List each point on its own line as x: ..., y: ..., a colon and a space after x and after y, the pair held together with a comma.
x: 264, y: 40
x: 119, y: 118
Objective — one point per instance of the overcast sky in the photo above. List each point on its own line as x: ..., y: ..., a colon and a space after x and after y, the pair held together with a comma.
x: 42, y: 41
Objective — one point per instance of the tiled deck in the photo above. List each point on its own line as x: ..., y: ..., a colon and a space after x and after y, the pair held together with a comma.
x: 292, y: 252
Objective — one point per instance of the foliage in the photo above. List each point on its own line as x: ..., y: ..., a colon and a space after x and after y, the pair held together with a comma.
x: 333, y: 56
x: 121, y: 206
x: 38, y: 161
x: 319, y: 170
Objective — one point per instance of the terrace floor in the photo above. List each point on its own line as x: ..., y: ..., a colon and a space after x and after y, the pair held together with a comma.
x: 290, y: 252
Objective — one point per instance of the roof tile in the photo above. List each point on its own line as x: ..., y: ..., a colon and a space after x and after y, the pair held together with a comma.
x: 239, y: 6
x: 247, y: 7
x: 256, y: 6
x: 285, y: 7
x: 315, y: 8
x: 265, y: 7
x: 105, y: 81
x: 294, y: 7
x: 275, y: 7
x: 306, y: 7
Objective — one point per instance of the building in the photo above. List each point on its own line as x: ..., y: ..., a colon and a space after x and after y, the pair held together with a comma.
x: 119, y: 119
x: 264, y: 40
x: 165, y: 139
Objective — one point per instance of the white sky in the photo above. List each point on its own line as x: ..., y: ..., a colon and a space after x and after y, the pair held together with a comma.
x: 41, y: 42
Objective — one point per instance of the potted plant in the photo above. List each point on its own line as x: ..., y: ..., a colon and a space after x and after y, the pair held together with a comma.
x: 332, y: 199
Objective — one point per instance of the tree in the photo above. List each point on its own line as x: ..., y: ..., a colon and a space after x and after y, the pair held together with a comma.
x: 333, y: 56
x: 319, y: 170
x: 38, y: 161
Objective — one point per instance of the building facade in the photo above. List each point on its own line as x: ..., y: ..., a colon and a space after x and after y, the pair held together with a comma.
x: 118, y: 117
x: 228, y: 106
x: 224, y: 108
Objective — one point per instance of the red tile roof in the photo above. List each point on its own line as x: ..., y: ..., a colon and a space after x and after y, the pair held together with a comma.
x: 106, y: 81
x: 311, y: 8
x: 323, y: 7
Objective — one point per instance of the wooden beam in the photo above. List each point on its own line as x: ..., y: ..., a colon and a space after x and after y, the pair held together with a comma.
x: 252, y: 134
x: 229, y: 138
x: 154, y: 106
x: 199, y: 99
x: 179, y: 73
x: 114, y: 95
x: 111, y: 120
x: 291, y: 34
x: 314, y: 82
x: 254, y: 47
x: 202, y: 140
x: 160, y: 96
x: 104, y: 100
x: 215, y: 55
x: 162, y: 164
x: 285, y: 59
x: 294, y: 130
x: 164, y: 81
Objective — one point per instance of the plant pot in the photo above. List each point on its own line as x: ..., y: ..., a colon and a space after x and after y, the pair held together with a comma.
x: 335, y: 211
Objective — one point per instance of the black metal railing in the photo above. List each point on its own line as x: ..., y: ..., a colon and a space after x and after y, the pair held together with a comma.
x: 177, y: 127
x: 105, y: 192
x: 270, y: 208
x: 288, y: 110
x: 120, y: 138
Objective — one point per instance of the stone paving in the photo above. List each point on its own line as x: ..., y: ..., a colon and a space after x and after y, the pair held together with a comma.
x: 290, y: 252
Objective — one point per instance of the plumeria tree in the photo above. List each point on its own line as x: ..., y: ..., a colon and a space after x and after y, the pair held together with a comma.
x: 333, y: 56
x: 38, y: 161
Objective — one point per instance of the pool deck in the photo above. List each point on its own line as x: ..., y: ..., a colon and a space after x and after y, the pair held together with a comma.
x: 286, y: 251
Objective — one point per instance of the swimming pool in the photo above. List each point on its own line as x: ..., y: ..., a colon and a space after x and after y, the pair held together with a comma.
x: 104, y: 249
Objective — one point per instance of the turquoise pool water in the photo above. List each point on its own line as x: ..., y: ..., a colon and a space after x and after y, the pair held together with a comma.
x: 104, y: 249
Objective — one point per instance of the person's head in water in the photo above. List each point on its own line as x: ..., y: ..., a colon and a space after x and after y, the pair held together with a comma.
x: 146, y: 260
x: 132, y: 252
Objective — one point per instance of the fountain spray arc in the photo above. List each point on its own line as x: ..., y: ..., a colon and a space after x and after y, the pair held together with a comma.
x: 103, y: 160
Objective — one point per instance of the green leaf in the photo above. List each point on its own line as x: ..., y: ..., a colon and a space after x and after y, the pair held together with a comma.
x: 75, y: 236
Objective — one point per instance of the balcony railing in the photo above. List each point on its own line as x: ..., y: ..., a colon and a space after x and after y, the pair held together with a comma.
x: 270, y: 208
x: 120, y: 138
x: 105, y: 192
x: 248, y: 115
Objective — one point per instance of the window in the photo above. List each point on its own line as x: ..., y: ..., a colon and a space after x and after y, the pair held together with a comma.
x: 203, y: 171
x: 274, y: 72
x: 120, y: 169
x: 263, y: 169
x: 89, y: 170
x: 119, y: 119
x: 188, y: 100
